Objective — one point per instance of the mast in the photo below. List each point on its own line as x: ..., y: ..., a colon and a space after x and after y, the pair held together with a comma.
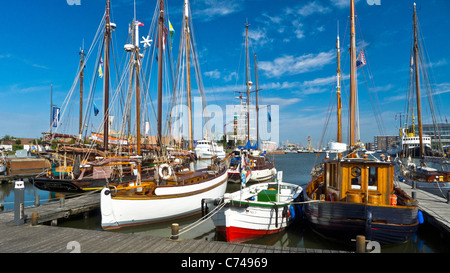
x: 188, y: 77
x: 338, y: 90
x: 416, y: 67
x: 352, y: 103
x: 160, y: 68
x: 80, y: 130
x: 138, y: 110
x: 257, y: 107
x: 248, y: 83
x: 106, y: 79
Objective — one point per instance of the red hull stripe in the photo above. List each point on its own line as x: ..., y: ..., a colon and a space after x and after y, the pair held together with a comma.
x: 237, y: 235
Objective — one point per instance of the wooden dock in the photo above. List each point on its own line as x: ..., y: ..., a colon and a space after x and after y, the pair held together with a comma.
x: 436, y: 209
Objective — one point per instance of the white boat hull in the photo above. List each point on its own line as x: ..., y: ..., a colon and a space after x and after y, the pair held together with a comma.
x: 262, y: 175
x: 169, y: 202
x: 249, y: 219
x: 206, y: 155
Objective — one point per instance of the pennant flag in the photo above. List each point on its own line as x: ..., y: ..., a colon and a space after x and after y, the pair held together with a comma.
x: 411, y: 64
x: 95, y: 110
x: 139, y: 24
x: 360, y: 60
x: 172, y: 32
x: 100, y: 72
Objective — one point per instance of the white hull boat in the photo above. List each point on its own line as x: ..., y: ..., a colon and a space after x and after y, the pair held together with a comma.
x: 164, y: 203
x: 257, y: 210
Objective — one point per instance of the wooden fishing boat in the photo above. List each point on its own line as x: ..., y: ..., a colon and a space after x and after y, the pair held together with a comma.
x: 257, y: 210
x: 431, y: 172
x: 356, y: 195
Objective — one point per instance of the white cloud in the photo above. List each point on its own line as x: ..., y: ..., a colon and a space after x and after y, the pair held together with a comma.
x: 312, y: 8
x: 292, y: 65
x: 215, y: 74
x: 211, y: 9
x: 280, y: 101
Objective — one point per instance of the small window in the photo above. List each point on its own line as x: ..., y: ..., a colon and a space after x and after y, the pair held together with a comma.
x: 373, y: 178
x: 356, y: 178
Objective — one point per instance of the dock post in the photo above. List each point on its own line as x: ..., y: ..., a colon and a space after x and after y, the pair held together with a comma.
x: 34, y: 218
x: 448, y: 197
x: 360, y: 244
x: 175, y: 230
x: 19, y: 203
x: 61, y: 202
x: 413, y: 195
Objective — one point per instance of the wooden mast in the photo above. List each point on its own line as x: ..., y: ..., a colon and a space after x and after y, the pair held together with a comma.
x: 416, y: 67
x: 106, y: 79
x: 138, y: 110
x: 256, y: 99
x: 188, y: 77
x: 80, y: 128
x: 160, y: 68
x: 338, y: 91
x: 248, y: 83
x: 352, y: 104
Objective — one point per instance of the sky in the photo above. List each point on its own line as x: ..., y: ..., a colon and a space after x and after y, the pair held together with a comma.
x: 294, y: 42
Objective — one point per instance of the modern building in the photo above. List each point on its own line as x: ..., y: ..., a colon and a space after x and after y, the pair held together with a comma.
x: 440, y: 131
x: 383, y: 143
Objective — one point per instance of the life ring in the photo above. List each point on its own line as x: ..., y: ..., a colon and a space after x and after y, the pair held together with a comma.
x: 251, y: 164
x: 165, y: 171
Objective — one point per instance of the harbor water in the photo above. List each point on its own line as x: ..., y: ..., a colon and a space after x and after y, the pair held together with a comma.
x: 296, y: 169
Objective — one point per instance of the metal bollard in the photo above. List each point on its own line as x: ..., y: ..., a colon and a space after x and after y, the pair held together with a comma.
x: 19, y: 205
x: 175, y: 230
x: 413, y: 195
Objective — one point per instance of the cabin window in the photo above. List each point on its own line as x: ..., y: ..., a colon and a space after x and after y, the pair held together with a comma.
x: 333, y: 176
x: 356, y: 178
x: 373, y: 178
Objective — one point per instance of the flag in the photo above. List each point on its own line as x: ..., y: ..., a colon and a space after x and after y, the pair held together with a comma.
x: 411, y: 64
x: 56, y: 111
x: 100, y: 72
x: 139, y: 24
x: 269, y: 117
x: 95, y: 110
x: 172, y: 32
x: 360, y: 60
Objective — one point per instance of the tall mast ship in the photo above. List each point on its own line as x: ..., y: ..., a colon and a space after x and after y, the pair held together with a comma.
x: 432, y: 173
x: 356, y: 195
x: 172, y: 193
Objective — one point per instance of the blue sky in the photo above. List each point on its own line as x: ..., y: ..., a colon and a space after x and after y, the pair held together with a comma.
x: 294, y: 42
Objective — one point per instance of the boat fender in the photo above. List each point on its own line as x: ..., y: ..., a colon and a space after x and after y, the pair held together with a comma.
x: 165, y: 172
x: 393, y: 199
x: 420, y: 217
x: 275, y: 207
x: 292, y: 212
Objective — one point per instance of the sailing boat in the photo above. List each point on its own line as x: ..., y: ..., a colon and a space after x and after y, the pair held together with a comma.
x: 257, y: 167
x: 81, y: 168
x: 423, y: 176
x: 171, y: 194
x: 356, y: 195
